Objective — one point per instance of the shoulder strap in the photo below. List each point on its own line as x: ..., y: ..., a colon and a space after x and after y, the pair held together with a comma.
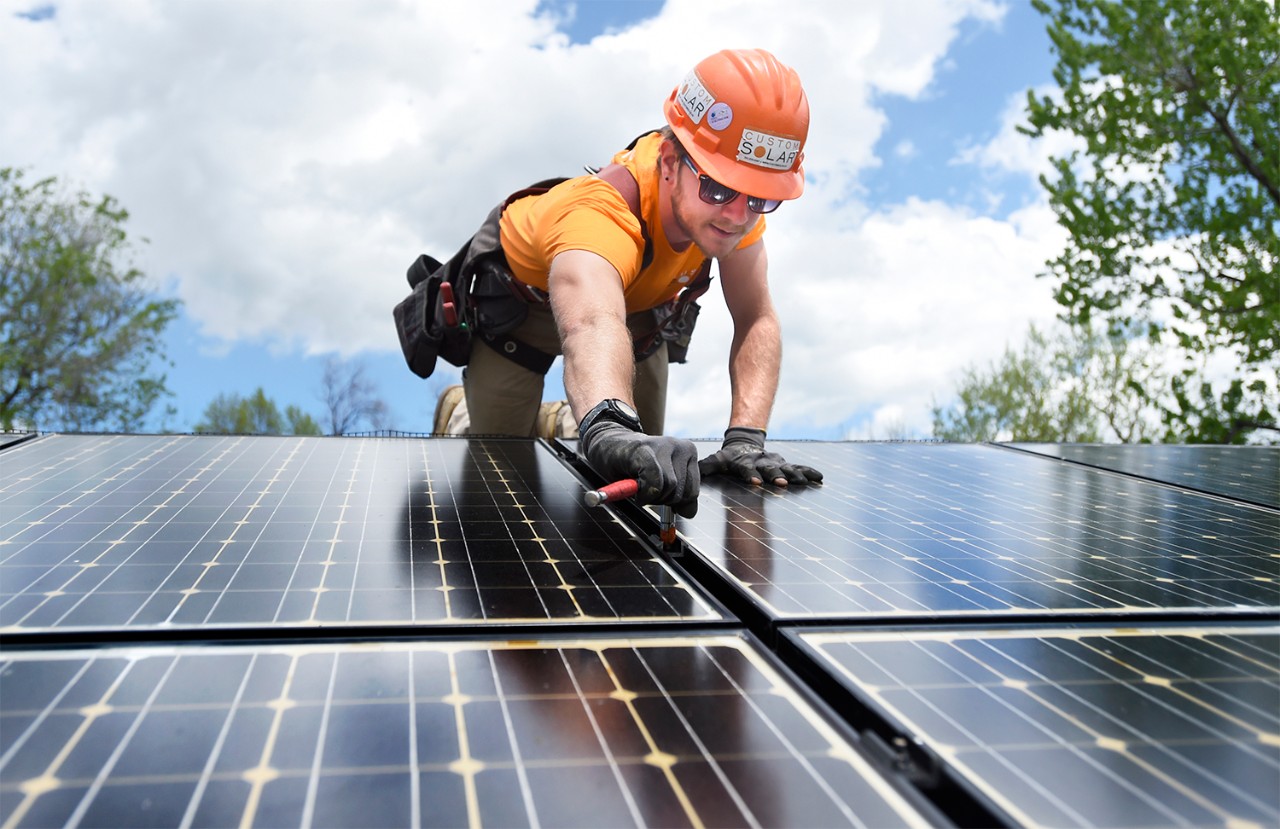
x: 532, y: 190
x: 625, y: 183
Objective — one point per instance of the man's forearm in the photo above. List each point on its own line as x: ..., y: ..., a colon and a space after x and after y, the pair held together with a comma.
x: 597, y: 364
x: 755, y: 359
x: 586, y: 299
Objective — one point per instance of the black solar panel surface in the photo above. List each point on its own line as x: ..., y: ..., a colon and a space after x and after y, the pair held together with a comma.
x: 1133, y: 727
x: 934, y: 530
x: 391, y: 576
x: 156, y: 532
x: 700, y: 731
x: 1250, y: 473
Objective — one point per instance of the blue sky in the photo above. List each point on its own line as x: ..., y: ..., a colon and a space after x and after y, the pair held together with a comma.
x: 286, y: 170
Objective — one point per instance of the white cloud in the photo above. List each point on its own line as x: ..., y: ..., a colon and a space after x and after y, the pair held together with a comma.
x: 288, y: 160
x: 884, y: 311
x: 1012, y: 151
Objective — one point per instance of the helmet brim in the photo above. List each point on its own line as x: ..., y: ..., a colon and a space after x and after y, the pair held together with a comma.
x: 749, y: 179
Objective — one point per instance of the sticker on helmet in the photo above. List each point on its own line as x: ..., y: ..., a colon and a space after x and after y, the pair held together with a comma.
x: 694, y: 98
x: 765, y: 150
x: 719, y: 116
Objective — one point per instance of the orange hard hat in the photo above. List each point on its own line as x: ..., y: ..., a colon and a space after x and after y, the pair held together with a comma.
x: 743, y: 117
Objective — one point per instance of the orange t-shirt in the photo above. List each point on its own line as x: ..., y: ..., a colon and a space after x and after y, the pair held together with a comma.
x: 586, y: 213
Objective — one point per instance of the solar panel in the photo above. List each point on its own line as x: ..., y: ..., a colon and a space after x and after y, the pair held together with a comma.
x: 10, y: 438
x: 158, y: 532
x: 315, y: 631
x: 1249, y: 473
x: 1083, y: 727
x: 700, y: 731
x: 904, y: 530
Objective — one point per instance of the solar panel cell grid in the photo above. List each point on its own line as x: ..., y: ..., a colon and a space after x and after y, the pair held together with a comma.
x: 910, y: 529
x: 700, y: 731
x: 141, y: 532
x: 1170, y: 727
x: 1250, y: 473
x: 468, y: 544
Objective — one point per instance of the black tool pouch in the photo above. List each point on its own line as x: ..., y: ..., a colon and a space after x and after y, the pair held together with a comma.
x: 486, y: 301
x: 420, y: 322
x: 498, y: 308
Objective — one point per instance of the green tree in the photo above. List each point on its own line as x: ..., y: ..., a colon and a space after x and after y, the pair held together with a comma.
x: 257, y: 414
x: 1173, y: 204
x: 79, y: 333
x: 1077, y: 386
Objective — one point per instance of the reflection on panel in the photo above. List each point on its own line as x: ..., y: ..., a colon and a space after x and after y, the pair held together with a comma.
x: 1250, y: 473
x: 939, y: 529
x: 1155, y: 727
x: 696, y: 732
x: 138, y: 532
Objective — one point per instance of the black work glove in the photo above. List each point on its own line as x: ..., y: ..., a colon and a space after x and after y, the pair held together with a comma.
x: 742, y: 454
x: 666, y: 468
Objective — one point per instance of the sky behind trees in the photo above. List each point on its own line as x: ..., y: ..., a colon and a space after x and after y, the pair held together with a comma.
x: 288, y: 160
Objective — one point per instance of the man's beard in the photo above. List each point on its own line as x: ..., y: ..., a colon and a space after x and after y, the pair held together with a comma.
x: 687, y: 226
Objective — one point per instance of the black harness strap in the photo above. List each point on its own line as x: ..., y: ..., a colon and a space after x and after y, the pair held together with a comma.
x: 520, y: 352
x: 625, y: 183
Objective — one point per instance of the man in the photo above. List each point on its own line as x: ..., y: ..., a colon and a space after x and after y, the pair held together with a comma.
x: 605, y: 250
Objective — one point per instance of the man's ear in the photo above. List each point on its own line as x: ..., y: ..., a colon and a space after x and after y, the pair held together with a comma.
x: 668, y: 160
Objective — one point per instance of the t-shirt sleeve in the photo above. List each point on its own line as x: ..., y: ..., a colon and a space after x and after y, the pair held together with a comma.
x: 593, y: 217
x: 754, y: 235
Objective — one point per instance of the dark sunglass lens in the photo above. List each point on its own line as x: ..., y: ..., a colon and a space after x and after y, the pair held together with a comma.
x: 758, y: 205
x: 717, y: 193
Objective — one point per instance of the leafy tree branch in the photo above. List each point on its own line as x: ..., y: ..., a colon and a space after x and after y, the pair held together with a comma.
x: 79, y: 332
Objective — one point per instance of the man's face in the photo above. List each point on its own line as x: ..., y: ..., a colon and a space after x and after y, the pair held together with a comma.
x: 715, y: 228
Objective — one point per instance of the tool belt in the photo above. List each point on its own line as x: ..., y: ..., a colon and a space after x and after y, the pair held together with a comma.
x: 472, y: 294
x: 475, y: 294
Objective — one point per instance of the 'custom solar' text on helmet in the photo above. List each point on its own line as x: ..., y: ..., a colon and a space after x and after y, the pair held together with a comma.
x: 743, y: 117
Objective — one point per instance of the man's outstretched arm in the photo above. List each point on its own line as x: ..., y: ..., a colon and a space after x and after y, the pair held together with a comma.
x: 755, y: 358
x: 586, y: 298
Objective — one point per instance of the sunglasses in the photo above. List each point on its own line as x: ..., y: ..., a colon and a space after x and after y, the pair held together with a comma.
x: 713, y: 192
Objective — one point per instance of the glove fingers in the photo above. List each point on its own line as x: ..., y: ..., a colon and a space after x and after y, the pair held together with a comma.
x: 711, y: 465
x: 693, y: 485
x: 813, y: 475
x: 681, y: 458
x: 800, y: 474
x: 642, y: 464
x: 748, y: 462
x: 670, y: 473
x: 688, y: 475
x: 772, y: 471
x: 744, y: 467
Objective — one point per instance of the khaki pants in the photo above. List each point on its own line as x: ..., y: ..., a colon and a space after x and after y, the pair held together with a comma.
x: 503, y: 397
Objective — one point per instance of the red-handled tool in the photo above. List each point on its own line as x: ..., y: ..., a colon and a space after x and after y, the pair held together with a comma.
x: 616, y: 491
x: 627, y: 488
x: 446, y: 303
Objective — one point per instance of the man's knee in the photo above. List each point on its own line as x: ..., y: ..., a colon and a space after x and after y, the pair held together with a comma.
x: 502, y: 397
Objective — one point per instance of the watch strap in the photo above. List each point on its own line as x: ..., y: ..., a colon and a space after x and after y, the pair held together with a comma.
x: 611, y: 410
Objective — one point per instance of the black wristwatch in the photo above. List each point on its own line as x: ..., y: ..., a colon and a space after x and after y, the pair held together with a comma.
x: 613, y: 410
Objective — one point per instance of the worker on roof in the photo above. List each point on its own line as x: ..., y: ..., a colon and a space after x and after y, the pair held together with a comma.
x: 602, y: 259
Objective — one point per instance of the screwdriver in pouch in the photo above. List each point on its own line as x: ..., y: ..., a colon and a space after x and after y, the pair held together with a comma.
x: 627, y: 488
